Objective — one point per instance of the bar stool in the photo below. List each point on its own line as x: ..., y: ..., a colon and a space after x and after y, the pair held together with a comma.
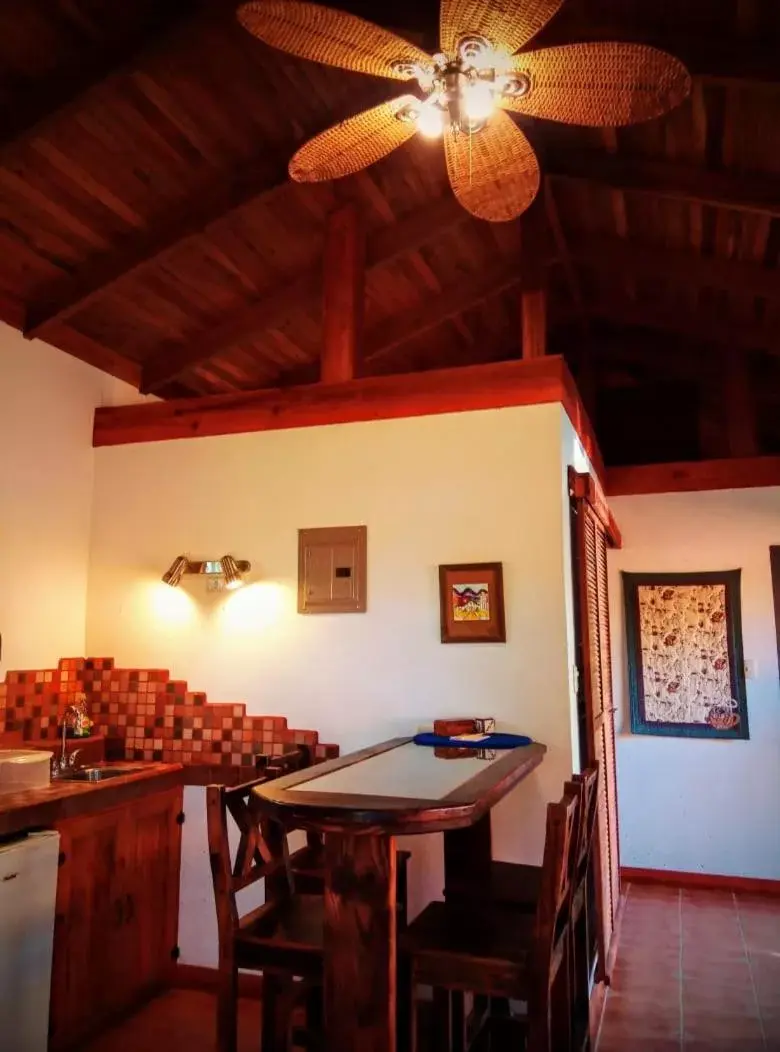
x: 498, y: 953
x: 514, y: 886
x: 283, y: 939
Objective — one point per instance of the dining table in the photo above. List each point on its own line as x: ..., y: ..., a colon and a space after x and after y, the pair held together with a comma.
x: 361, y: 803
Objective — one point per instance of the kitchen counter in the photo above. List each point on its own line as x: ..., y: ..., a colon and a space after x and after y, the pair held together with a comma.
x: 41, y: 808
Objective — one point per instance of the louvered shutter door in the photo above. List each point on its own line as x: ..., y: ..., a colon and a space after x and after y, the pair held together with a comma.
x: 600, y: 733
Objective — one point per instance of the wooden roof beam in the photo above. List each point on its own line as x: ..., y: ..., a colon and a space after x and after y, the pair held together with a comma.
x: 744, y: 192
x: 386, y: 244
x: 643, y: 260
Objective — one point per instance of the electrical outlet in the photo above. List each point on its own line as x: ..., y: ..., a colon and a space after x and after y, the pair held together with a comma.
x: 751, y: 668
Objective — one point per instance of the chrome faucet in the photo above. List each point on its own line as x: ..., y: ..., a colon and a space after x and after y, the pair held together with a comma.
x: 65, y: 762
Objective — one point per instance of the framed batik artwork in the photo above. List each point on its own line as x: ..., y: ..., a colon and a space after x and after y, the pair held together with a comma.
x: 686, y: 672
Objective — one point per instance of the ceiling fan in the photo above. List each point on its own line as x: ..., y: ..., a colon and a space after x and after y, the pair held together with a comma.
x: 465, y: 91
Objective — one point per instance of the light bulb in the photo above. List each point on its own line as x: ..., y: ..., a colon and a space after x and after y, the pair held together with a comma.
x: 478, y: 101
x: 430, y: 121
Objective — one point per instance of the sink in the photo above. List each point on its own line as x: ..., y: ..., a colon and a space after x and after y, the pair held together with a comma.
x: 94, y: 774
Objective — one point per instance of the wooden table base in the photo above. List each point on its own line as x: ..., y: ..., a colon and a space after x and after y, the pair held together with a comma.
x: 360, y: 943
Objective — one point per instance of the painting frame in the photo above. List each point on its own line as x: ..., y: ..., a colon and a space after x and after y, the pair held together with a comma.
x: 471, y: 603
x: 640, y: 724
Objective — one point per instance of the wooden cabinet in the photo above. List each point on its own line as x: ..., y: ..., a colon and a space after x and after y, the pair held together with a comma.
x: 117, y: 913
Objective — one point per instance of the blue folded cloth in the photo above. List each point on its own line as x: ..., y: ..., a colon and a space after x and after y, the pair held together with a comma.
x: 490, y: 741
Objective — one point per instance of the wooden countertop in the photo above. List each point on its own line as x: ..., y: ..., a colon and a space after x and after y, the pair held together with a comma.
x: 42, y: 808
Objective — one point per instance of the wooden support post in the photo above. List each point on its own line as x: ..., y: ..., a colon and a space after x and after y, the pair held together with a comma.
x: 535, y: 249
x: 533, y: 307
x: 739, y: 404
x: 343, y: 293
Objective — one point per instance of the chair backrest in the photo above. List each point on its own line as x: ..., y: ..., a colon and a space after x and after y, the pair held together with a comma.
x: 585, y: 787
x: 261, y: 853
x: 552, y: 912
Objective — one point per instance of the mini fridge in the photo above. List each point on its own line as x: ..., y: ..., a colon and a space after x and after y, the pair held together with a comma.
x: 28, y: 890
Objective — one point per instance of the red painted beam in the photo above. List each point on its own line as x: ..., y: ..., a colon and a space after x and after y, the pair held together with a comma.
x: 493, y: 386
x: 693, y: 476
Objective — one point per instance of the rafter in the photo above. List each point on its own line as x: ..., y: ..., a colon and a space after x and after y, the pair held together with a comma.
x: 702, y: 329
x: 385, y: 245
x: 213, y: 202
x: 343, y: 294
x: 470, y: 291
x: 643, y: 260
x: 51, y: 99
x: 721, y: 189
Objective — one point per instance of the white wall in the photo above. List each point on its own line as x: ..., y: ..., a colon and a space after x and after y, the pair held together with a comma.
x: 455, y: 488
x: 46, y: 464
x: 696, y: 804
x: 46, y: 467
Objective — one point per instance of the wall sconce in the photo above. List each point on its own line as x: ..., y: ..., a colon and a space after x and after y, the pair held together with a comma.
x: 232, y: 570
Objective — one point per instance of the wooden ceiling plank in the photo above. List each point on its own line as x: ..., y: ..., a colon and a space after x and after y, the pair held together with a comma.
x: 534, y: 323
x: 36, y: 106
x: 96, y: 354
x: 343, y: 294
x: 741, y: 191
x: 383, y: 246
x: 453, y: 301
x: 147, y: 245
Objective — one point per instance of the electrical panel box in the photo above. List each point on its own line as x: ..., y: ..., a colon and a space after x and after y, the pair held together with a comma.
x: 332, y: 570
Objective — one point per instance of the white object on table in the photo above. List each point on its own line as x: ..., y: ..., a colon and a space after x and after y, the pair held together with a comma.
x: 28, y: 891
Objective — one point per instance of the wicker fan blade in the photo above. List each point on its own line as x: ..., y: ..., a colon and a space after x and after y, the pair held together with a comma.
x: 600, y: 84
x: 494, y: 173
x: 333, y: 37
x: 507, y: 24
x: 353, y: 144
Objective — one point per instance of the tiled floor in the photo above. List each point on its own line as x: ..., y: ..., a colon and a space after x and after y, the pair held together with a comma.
x: 697, y: 971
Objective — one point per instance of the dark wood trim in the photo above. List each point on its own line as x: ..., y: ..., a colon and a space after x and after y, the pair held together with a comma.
x: 12, y: 311
x: 693, y: 476
x: 171, y: 359
x: 731, y: 580
x: 742, y: 191
x: 493, y: 386
x: 198, y: 977
x: 715, y: 881
x: 586, y: 487
x: 774, y: 562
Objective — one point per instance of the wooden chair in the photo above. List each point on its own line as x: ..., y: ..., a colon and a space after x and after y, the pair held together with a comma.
x: 493, y: 952
x: 283, y: 938
x: 514, y: 886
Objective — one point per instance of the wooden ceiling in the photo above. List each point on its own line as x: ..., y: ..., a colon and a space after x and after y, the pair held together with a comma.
x: 149, y: 228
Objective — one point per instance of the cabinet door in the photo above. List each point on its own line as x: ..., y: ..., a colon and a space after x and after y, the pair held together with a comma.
x: 89, y: 915
x: 150, y: 848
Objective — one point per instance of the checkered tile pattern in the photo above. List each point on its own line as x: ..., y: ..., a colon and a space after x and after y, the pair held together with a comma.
x: 158, y: 718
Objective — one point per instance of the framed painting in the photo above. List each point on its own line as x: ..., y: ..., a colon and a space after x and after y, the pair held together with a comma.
x: 774, y: 564
x: 471, y: 602
x: 686, y: 673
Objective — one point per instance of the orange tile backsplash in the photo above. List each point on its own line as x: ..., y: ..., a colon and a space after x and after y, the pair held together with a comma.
x: 158, y: 717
